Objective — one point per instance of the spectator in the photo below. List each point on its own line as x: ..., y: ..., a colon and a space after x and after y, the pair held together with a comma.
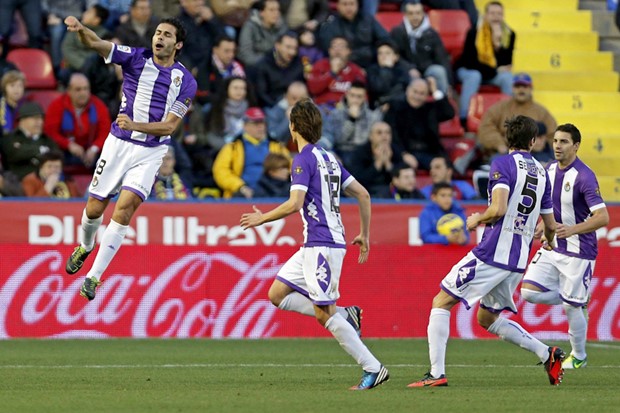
x: 162, y: 9
x: 348, y: 126
x: 441, y: 171
x: 389, y: 77
x: 492, y: 129
x: 22, y: 147
x: 373, y: 162
x: 239, y: 165
x: 202, y: 30
x: 232, y: 13
x: 332, y: 76
x: 402, y: 186
x: 278, y: 115
x: 415, y: 121
x: 487, y: 56
x: 13, y: 87
x: 309, y: 52
x: 468, y: 6
x: 105, y: 80
x: 542, y: 150
x: 48, y: 180
x: 31, y: 12
x: 218, y: 67
x: 74, y: 52
x: 168, y: 184
x: 5, y: 65
x: 304, y: 14
x: 79, y: 122
x: 362, y: 32
x: 419, y: 44
x: 276, y: 179
x: 9, y: 184
x: 278, y: 69
x: 118, y: 12
x: 443, y: 206
x: 57, y: 11
x: 138, y: 31
x: 258, y: 35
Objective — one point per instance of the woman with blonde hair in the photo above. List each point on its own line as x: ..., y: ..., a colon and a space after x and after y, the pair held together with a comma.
x: 13, y: 88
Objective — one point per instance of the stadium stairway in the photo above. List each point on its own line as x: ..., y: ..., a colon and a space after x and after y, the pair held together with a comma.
x: 559, y: 46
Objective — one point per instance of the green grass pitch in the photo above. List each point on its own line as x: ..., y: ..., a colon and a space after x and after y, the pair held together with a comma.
x: 300, y: 375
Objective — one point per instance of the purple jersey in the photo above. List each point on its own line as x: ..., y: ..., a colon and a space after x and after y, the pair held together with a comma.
x: 575, y: 195
x: 150, y: 92
x: 507, y: 243
x: 321, y: 176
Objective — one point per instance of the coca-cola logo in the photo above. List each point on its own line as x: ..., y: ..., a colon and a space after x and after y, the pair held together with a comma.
x: 38, y: 300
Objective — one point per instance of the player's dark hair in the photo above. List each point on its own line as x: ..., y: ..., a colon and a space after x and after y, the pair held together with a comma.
x: 181, y: 33
x: 571, y: 129
x: 520, y: 130
x: 439, y: 186
x: 307, y: 120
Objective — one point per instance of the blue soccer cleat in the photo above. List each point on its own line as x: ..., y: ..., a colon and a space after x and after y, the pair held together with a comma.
x: 370, y: 380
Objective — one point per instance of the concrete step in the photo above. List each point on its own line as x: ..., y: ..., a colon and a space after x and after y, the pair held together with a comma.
x: 602, y: 165
x: 593, y: 4
x: 557, y: 41
x: 610, y: 188
x: 604, y: 24
x: 592, y: 123
x: 578, y: 102
x: 549, y: 20
x: 524, y: 60
x: 534, y: 4
x: 596, y: 144
x: 568, y: 81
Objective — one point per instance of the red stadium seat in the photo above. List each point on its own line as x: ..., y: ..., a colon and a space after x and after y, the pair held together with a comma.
x: 389, y: 19
x: 478, y: 104
x: 43, y: 97
x: 452, y: 128
x: 36, y: 65
x: 452, y: 26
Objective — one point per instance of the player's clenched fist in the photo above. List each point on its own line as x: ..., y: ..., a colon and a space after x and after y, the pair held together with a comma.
x: 73, y: 24
x: 124, y: 122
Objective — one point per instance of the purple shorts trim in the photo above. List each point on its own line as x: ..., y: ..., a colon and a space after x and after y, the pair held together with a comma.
x: 496, y: 311
x: 100, y: 198
x: 573, y: 303
x: 542, y: 287
x: 293, y: 286
x: 135, y: 191
x: 451, y: 294
x: 323, y: 302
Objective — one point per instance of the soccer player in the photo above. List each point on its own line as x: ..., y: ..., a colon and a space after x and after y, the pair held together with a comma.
x: 519, y: 192
x: 157, y: 92
x: 563, y: 276
x: 308, y: 282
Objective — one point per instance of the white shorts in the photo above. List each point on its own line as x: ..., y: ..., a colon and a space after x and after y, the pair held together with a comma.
x: 570, y: 276
x: 125, y: 165
x: 315, y: 273
x: 471, y: 280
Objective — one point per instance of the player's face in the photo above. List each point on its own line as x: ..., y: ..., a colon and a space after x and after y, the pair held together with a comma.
x: 564, y: 149
x: 164, y: 41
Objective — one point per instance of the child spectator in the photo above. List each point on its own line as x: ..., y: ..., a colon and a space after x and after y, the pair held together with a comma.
x: 432, y: 216
x: 276, y: 179
x: 48, y: 180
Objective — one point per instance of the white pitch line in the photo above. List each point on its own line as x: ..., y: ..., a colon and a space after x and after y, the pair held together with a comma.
x: 601, y: 345
x: 261, y: 365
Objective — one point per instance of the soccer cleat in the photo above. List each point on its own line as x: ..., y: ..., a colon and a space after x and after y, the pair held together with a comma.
x: 430, y: 381
x: 571, y: 362
x: 553, y: 365
x: 76, y: 260
x: 354, y: 318
x: 371, y: 380
x: 89, y: 288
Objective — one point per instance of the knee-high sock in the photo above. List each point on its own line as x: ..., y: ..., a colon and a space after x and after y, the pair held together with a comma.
x: 512, y: 332
x: 541, y: 297
x: 89, y: 229
x: 110, y: 243
x: 438, y: 332
x: 302, y: 304
x: 351, y: 343
x: 577, y: 330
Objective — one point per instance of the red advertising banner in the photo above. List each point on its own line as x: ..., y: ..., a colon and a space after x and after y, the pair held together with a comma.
x: 221, y: 291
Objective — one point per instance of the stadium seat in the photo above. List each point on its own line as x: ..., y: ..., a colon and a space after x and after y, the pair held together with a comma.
x: 452, y: 128
x: 36, y: 65
x: 452, y: 26
x: 389, y: 19
x: 478, y: 104
x: 43, y: 97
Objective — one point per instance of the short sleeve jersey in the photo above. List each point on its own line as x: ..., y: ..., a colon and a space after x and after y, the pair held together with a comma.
x: 507, y: 243
x: 321, y: 176
x: 150, y: 92
x: 575, y: 193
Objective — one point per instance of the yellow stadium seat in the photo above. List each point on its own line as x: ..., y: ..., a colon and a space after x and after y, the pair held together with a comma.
x: 534, y: 4
x: 593, y: 81
x: 557, y: 41
x: 549, y: 20
x: 610, y: 188
x: 578, y: 102
x: 526, y: 60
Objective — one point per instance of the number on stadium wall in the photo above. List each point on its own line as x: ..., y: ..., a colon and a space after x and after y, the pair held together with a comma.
x: 555, y: 60
x: 100, y: 166
x: 577, y: 102
x: 535, y: 18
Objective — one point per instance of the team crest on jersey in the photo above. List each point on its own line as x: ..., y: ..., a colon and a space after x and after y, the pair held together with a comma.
x: 496, y: 175
x: 188, y: 102
x: 177, y: 81
x: 124, y: 49
x: 567, y: 186
x: 298, y: 170
x: 95, y: 182
x: 597, y: 191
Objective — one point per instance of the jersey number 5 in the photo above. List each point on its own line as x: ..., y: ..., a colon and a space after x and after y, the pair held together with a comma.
x: 528, y: 192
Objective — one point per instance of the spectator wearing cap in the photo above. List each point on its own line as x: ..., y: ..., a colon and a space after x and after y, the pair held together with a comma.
x: 492, y: 131
x: 48, y: 180
x: 22, y: 147
x: 239, y: 164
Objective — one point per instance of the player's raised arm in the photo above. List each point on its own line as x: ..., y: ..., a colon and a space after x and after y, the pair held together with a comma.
x: 356, y: 190
x: 88, y: 37
x: 163, y: 128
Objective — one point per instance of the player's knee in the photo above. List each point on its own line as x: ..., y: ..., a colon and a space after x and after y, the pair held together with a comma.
x: 274, y: 297
x: 486, y: 318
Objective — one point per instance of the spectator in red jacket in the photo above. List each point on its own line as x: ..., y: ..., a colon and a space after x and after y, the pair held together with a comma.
x: 331, y: 77
x: 79, y: 122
